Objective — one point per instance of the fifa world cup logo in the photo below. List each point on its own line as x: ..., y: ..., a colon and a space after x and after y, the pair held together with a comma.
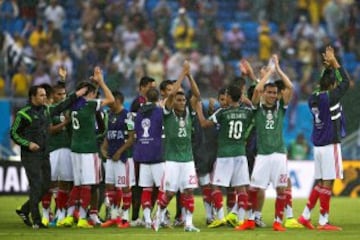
x: 145, y: 124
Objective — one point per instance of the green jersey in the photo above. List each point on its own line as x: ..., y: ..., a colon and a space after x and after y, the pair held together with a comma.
x: 62, y: 138
x: 269, y: 128
x: 83, y: 128
x: 233, y: 123
x: 177, y: 142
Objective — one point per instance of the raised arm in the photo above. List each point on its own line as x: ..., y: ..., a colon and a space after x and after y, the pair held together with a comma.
x: 195, y: 97
x: 247, y: 70
x: 170, y: 100
x: 202, y: 120
x: 260, y: 86
x: 99, y: 79
x: 289, y: 88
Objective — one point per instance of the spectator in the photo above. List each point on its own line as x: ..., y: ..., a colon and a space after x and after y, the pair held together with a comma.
x: 20, y: 82
x: 299, y: 148
x: 265, y: 41
x: 147, y: 37
x: 154, y: 67
x: 9, y: 10
x: 162, y: 19
x: 37, y: 35
x: 334, y: 15
x: 55, y: 13
x: 182, y: 30
x: 235, y: 38
x: 131, y: 39
x: 40, y: 76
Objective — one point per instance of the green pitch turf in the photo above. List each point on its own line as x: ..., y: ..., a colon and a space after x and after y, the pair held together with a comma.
x: 345, y: 212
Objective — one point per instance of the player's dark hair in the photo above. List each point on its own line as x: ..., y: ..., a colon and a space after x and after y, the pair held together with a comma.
x: 144, y: 81
x: 180, y: 93
x: 234, y: 92
x: 33, y: 91
x: 280, y: 84
x: 239, y: 82
x: 59, y: 85
x: 118, y: 95
x: 270, y: 84
x: 91, y: 87
x: 165, y: 83
x: 48, y: 89
x: 222, y: 91
x: 152, y: 95
x: 327, y: 79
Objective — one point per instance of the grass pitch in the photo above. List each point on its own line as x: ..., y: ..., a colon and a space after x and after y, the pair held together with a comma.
x: 344, y: 212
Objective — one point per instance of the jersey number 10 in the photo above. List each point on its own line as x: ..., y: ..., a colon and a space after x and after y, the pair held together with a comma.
x: 235, y: 129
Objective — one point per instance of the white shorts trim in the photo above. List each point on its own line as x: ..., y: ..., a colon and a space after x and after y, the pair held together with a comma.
x: 86, y: 168
x: 179, y: 176
x: 271, y: 168
x: 328, y: 162
x: 151, y: 174
x: 61, y: 166
x: 120, y: 174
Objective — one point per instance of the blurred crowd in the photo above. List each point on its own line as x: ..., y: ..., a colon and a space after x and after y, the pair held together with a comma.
x: 133, y: 38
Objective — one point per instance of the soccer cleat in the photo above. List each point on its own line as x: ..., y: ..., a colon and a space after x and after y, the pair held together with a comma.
x: 232, y: 219
x: 83, y: 223
x: 156, y: 223
x: 328, y: 227
x: 207, y: 222
x: 45, y: 221
x: 191, y: 228
x: 178, y: 222
x: 53, y: 222
x: 66, y: 222
x: 94, y: 220
x: 292, y: 223
x: 259, y: 222
x: 247, y: 225
x: 148, y: 225
x: 38, y: 225
x: 111, y: 222
x: 137, y: 223
x: 123, y: 224
x: 306, y: 223
x: 278, y: 227
x: 217, y: 223
x: 24, y: 217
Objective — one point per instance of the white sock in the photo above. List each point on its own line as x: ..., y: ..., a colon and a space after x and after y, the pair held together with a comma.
x: 114, y: 212
x: 188, y: 218
x: 70, y: 211
x: 82, y: 213
x: 289, y: 211
x: 323, y: 219
x: 306, y: 213
x: 208, y: 210
x: 241, y: 214
x: 234, y: 208
x: 125, y: 214
x: 147, y: 215
x: 220, y: 213
x: 46, y: 213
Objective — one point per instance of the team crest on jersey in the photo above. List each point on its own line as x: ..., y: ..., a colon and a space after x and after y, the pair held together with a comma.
x: 146, y: 124
x: 62, y: 117
x: 269, y: 115
x: 113, y: 120
x: 181, y: 122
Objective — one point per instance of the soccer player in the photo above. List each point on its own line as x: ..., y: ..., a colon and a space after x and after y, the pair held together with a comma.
x: 328, y: 129
x: 60, y: 159
x: 180, y: 171
x: 271, y: 162
x: 119, y: 169
x: 205, y: 149
x: 231, y: 167
x: 30, y: 131
x: 148, y: 150
x: 84, y: 150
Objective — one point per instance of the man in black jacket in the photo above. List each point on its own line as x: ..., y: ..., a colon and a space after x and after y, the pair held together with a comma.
x: 30, y: 131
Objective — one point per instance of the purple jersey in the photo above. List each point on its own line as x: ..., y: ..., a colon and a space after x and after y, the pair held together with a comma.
x: 328, y: 119
x: 116, y: 132
x: 148, y: 128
